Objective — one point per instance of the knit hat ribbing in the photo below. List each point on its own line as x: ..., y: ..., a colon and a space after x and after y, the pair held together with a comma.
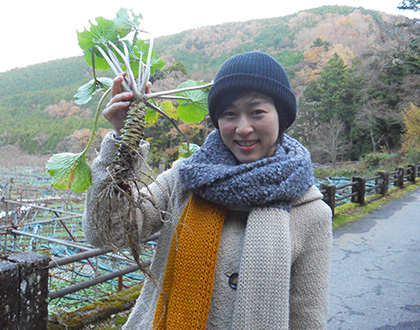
x: 258, y: 72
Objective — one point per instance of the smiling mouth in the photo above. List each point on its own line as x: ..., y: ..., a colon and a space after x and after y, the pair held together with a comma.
x: 246, y: 143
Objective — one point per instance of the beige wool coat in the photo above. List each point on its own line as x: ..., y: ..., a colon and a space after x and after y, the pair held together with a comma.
x: 310, y: 237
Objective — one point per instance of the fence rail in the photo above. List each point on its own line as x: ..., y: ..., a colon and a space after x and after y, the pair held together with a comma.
x: 359, y: 190
x: 18, y: 216
x: 75, y: 273
x: 99, y: 279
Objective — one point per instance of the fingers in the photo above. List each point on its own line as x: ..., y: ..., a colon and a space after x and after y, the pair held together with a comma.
x: 117, y: 83
x: 148, y: 87
x: 122, y: 97
x: 117, y: 108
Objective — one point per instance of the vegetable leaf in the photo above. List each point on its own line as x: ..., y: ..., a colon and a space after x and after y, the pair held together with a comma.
x: 84, y: 93
x: 152, y: 116
x: 195, y: 108
x: 140, y: 49
x: 186, y: 152
x: 168, y: 108
x: 69, y: 170
x: 124, y: 24
x: 98, y: 34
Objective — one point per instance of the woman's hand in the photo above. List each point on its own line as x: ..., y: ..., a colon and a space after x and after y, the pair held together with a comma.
x: 117, y: 108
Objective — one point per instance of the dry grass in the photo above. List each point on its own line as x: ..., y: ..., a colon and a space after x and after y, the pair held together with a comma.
x: 12, y: 156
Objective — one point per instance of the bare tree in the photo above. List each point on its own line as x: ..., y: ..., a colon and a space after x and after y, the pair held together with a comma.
x: 41, y: 140
x: 330, y: 142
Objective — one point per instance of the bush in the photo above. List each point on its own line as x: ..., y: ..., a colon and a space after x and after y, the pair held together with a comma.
x: 381, y: 161
x: 347, y: 170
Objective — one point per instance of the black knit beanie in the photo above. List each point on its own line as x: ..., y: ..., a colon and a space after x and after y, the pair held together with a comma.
x: 254, y: 72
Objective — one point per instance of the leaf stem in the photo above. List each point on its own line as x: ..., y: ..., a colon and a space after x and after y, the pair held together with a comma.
x: 152, y: 106
x: 98, y: 108
x: 146, y: 76
x: 130, y: 74
x: 172, y: 97
x: 173, y: 91
x: 93, y: 65
x: 115, y: 68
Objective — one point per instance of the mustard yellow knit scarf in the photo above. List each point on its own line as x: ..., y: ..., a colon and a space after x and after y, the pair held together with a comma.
x: 184, y: 302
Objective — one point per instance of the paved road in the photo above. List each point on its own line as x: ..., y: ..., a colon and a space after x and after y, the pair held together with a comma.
x: 375, y: 275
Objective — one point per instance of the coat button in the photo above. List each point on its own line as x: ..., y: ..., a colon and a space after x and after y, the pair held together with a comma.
x: 233, y: 281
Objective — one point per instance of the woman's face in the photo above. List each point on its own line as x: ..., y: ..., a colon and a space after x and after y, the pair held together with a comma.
x: 249, y: 127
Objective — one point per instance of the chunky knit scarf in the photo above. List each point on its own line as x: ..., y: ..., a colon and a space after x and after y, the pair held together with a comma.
x: 267, y: 188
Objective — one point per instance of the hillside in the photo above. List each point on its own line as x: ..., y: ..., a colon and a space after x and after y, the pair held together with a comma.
x: 372, y: 55
x: 287, y: 38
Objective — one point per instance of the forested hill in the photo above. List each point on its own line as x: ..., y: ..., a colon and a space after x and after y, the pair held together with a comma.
x: 353, y: 71
x: 347, y: 30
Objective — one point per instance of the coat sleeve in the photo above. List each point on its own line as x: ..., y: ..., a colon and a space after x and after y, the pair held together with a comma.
x: 105, y: 217
x: 310, y: 267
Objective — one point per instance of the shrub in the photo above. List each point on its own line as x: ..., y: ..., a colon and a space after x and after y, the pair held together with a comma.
x: 380, y: 160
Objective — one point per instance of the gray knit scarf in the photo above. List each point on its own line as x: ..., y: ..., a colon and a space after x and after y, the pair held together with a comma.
x: 267, y: 187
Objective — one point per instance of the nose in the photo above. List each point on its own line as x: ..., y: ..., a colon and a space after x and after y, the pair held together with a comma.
x: 244, y: 126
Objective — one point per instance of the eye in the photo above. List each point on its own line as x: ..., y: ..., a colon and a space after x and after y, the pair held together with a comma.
x: 228, y: 113
x: 258, y: 112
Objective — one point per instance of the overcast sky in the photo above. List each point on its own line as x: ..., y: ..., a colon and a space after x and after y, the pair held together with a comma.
x: 35, y: 31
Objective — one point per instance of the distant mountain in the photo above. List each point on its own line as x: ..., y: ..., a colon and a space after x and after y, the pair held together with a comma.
x: 34, y: 100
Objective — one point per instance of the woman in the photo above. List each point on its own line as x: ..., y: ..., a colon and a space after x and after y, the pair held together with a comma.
x: 245, y: 238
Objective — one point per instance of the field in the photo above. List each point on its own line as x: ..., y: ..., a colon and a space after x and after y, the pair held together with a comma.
x: 36, y: 217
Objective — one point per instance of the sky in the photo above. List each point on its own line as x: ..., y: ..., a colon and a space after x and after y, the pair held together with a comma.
x: 36, y: 31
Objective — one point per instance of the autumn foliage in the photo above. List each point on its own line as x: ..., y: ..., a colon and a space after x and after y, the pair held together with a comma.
x: 353, y: 71
x: 411, y: 136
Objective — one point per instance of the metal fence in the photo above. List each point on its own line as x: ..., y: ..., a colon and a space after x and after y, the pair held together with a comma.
x: 51, y: 224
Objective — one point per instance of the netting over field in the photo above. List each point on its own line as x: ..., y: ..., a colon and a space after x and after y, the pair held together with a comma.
x: 36, y: 217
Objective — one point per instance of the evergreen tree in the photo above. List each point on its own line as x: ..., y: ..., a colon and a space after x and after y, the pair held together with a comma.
x: 334, y: 94
x: 410, y: 5
x: 333, y: 97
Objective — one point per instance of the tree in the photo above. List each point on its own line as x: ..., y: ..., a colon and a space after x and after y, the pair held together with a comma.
x: 329, y: 106
x: 330, y: 142
x: 411, y: 136
x: 391, y: 76
x: 333, y: 95
x: 41, y: 140
x: 413, y: 5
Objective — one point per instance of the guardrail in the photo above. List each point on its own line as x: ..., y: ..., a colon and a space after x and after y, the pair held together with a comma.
x: 96, y: 280
x: 359, y: 190
x: 72, y: 273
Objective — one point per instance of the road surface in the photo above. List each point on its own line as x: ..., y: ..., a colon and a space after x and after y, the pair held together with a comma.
x: 375, y: 270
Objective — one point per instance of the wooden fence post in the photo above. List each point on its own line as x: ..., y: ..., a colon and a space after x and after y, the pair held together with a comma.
x: 383, y: 182
x: 329, y: 196
x: 400, y: 177
x: 9, y: 302
x: 413, y: 173
x: 359, y: 189
x: 24, y: 291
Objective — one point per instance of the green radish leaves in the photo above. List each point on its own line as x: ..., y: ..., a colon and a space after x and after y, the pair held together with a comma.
x: 98, y: 35
x: 139, y: 50
x: 117, y: 31
x: 84, y: 93
x: 194, y: 109
x: 124, y: 24
x: 116, y: 44
x: 185, y: 150
x: 69, y: 171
